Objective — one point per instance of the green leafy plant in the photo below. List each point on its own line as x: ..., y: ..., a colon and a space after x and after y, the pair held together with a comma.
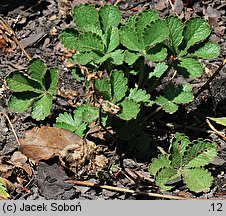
x: 187, y: 160
x: 80, y: 119
x: 97, y: 35
x: 35, y: 89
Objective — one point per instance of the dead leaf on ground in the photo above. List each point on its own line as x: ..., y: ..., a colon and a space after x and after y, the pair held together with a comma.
x: 74, y: 152
x: 46, y: 142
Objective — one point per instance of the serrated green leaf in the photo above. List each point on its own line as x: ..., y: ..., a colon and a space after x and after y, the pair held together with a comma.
x: 197, y: 179
x: 19, y: 82
x: 163, y: 176
x: 66, y: 121
x: 200, y: 153
x: 158, y: 163
x: 166, y: 105
x: 175, y: 156
x: 195, y: 31
x: 86, y: 18
x: 69, y: 38
x: 89, y: 42
x: 130, y: 109
x: 87, y: 57
x: 104, y: 87
x: 116, y: 57
x: 156, y: 54
x: 112, y: 39
x: 144, y: 19
x: 130, y: 57
x: 130, y: 40
x: 190, y: 67
x: 37, y: 70
x: 87, y: 112
x: 139, y: 95
x: 175, y: 26
x: 155, y: 33
x: 181, y: 141
x: 76, y: 74
x: 42, y: 107
x: 208, y: 50
x: 221, y: 121
x: 159, y: 70
x: 185, y: 96
x: 118, y: 85
x: 110, y: 17
x: 51, y: 80
x: 21, y: 102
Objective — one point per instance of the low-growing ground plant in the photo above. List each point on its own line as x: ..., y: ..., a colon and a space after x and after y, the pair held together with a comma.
x: 186, y: 159
x: 122, y: 62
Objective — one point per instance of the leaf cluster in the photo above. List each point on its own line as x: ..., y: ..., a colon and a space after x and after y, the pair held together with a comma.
x: 187, y: 160
x: 34, y: 89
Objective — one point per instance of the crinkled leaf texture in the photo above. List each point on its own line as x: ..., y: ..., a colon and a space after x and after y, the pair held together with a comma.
x: 187, y: 159
x: 139, y: 95
x: 196, y: 30
x: 36, y: 90
x: 175, y: 26
x: 143, y: 32
x: 159, y: 70
x: 198, y: 179
x: 200, y: 153
x: 98, y: 36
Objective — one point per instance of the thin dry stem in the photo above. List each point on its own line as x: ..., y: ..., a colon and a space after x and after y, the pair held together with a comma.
x: 11, y: 125
x: 125, y: 190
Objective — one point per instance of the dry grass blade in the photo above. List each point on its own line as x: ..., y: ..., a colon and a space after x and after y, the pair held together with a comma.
x: 6, y: 28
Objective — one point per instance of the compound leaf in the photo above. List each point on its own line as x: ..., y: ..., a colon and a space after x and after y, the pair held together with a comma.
x: 73, y: 124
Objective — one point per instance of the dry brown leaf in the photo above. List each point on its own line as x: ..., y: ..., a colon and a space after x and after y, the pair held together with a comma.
x: 74, y: 152
x: 46, y: 142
